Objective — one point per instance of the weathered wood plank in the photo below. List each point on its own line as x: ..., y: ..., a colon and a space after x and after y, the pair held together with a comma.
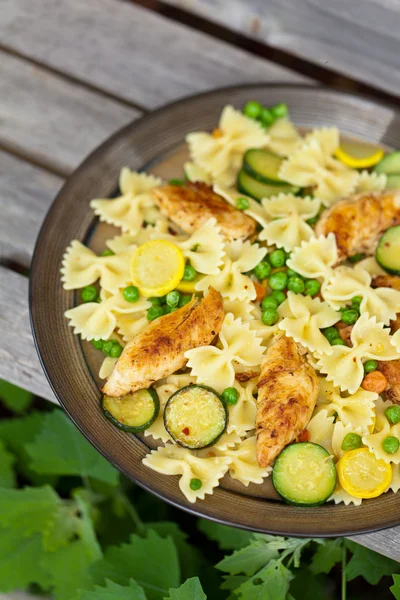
x: 50, y: 119
x: 19, y: 363
x: 359, y: 39
x: 26, y: 193
x: 127, y: 50
x: 385, y: 542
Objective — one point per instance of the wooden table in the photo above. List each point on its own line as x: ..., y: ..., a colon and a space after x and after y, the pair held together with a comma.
x: 73, y: 72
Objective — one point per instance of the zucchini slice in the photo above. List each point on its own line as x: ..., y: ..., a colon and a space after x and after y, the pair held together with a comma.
x: 134, y: 412
x: 258, y: 190
x: 263, y: 166
x: 195, y: 416
x: 388, y: 250
x: 393, y: 181
x: 389, y: 164
x: 304, y: 474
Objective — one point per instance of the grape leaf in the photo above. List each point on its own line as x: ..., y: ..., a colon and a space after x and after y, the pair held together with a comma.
x: 113, y: 591
x: 152, y: 561
x: 15, y: 398
x: 326, y: 556
x: 60, y: 449
x: 7, y: 475
x: 250, y: 559
x: 274, y: 585
x: 191, y: 589
x: 306, y: 586
x: 29, y: 510
x: 227, y: 538
x: 20, y: 561
x: 368, y: 564
x: 395, y: 589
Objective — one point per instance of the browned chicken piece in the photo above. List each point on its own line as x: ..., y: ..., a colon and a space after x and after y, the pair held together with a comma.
x: 160, y: 349
x: 359, y: 220
x: 192, y: 205
x: 391, y: 370
x: 287, y: 393
x: 391, y: 281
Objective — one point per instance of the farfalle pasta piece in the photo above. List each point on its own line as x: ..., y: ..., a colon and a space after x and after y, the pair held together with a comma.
x: 195, y: 173
x: 340, y: 495
x: 81, y: 267
x: 383, y: 429
x: 241, y: 309
x: 128, y: 242
x: 370, y: 182
x: 107, y: 367
x: 129, y: 325
x: 173, y: 460
x: 315, y: 258
x: 242, y: 415
x: 287, y: 214
x: 303, y: 318
x: 320, y: 429
x: 370, y: 265
x: 327, y: 137
x: 134, y: 207
x: 395, y: 483
x: 339, y: 433
x: 244, y: 466
x: 255, y: 210
x: 284, y: 138
x: 221, y: 152
x: 346, y: 282
x: 344, y: 366
x: 93, y: 320
x: 311, y: 166
x: 204, y: 248
x: 216, y: 366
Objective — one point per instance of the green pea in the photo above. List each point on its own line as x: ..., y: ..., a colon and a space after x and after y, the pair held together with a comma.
x: 291, y: 273
x: 195, y: 484
x: 169, y: 309
x: 277, y: 258
x: 262, y: 270
x: 279, y: 296
x: 154, y: 312
x: 280, y: 110
x: 107, y: 252
x: 296, y: 285
x: 176, y: 182
x: 331, y: 333
x: 108, y: 346
x: 278, y: 281
x: 393, y: 414
x: 355, y: 302
x: 189, y: 273
x: 391, y: 444
x: 184, y: 300
x: 154, y: 301
x: 172, y: 299
x: 370, y: 365
x: 98, y: 344
x: 338, y: 342
x: 269, y: 302
x: 270, y: 316
x: 242, y: 203
x: 131, y: 293
x: 252, y: 109
x: 230, y: 395
x: 313, y: 220
x: 312, y: 287
x: 89, y: 294
x: 350, y: 316
x: 356, y: 258
x: 351, y: 441
x: 116, y: 351
x: 266, y: 117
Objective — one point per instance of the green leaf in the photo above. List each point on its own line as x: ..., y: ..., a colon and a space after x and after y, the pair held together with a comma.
x: 113, y: 591
x: 227, y: 538
x: 190, y: 590
x: 368, y: 564
x: 152, y: 561
x: 395, y: 589
x: 20, y: 561
x: 190, y: 558
x: 14, y: 398
x: 7, y: 475
x: 326, y: 556
x: 29, y: 510
x: 250, y: 559
x: 274, y: 585
x: 60, y: 449
x: 306, y: 586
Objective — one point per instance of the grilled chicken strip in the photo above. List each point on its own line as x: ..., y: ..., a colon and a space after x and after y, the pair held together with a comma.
x: 287, y: 393
x: 159, y: 350
x: 359, y: 220
x: 391, y: 281
x: 192, y: 205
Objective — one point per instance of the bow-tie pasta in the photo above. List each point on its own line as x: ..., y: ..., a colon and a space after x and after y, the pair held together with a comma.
x: 383, y: 429
x: 315, y: 258
x: 244, y: 466
x: 242, y: 415
x: 197, y: 174
x: 284, y: 138
x: 370, y: 182
x: 320, y: 429
x: 255, y: 210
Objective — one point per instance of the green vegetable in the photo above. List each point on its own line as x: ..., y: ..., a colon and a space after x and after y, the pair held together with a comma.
x: 270, y: 316
x: 133, y: 412
x: 154, y: 312
x: 107, y: 252
x: 280, y: 110
x: 250, y: 186
x: 313, y: 220
x: 252, y: 109
x: 266, y: 117
x: 350, y: 316
x: 279, y: 296
x: 108, y: 346
x: 391, y: 444
x: 312, y: 287
x: 291, y: 273
x: 269, y: 302
x: 89, y: 294
x: 296, y: 285
x: 277, y: 258
x: 155, y: 301
x: 116, y: 350
x: 370, y: 365
x: 338, y: 342
x: 262, y: 270
x: 390, y: 164
x: 263, y: 166
x: 189, y: 273
x: 176, y: 182
x: 195, y: 484
x: 388, y: 250
x: 230, y: 395
x: 331, y: 333
x: 351, y: 441
x: 393, y: 181
x: 98, y: 344
x: 242, y: 204
x: 356, y: 258
x: 278, y: 281
x: 185, y: 299
x: 172, y: 299
x: 356, y: 301
x: 131, y: 293
x: 393, y: 414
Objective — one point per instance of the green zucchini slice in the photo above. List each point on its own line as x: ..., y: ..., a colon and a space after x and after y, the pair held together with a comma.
x: 195, y: 416
x: 393, y: 181
x: 258, y: 190
x: 263, y: 166
x: 389, y: 164
x: 134, y: 412
x: 304, y: 474
x: 388, y: 250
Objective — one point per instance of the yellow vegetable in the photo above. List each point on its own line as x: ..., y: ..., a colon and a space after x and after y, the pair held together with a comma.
x: 362, y: 475
x: 359, y: 155
x: 372, y: 426
x: 157, y: 267
x: 188, y: 287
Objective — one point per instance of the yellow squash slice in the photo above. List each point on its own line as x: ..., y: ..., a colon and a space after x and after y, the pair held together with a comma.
x: 157, y: 267
x: 359, y: 155
x: 362, y: 475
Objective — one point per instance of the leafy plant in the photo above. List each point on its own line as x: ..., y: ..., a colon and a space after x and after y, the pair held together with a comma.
x: 72, y: 527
